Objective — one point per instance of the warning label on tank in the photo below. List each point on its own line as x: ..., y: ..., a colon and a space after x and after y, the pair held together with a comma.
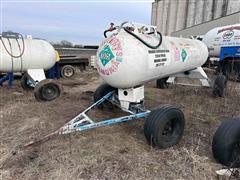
x: 158, y: 58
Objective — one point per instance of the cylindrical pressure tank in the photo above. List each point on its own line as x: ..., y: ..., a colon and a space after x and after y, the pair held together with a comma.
x: 123, y: 61
x: 222, y: 37
x: 36, y: 54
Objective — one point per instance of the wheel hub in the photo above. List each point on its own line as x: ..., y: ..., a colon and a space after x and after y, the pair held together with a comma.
x: 168, y: 128
x: 68, y: 72
x: 49, y: 92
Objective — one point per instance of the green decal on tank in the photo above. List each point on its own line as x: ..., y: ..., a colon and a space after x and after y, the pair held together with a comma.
x: 106, y: 55
x: 184, y: 55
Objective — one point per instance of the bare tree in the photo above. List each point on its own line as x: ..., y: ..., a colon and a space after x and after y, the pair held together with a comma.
x: 65, y: 43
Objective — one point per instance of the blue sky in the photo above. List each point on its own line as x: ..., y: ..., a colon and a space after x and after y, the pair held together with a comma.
x: 81, y: 22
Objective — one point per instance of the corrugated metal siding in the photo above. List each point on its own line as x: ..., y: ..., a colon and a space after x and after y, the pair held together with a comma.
x: 174, y: 15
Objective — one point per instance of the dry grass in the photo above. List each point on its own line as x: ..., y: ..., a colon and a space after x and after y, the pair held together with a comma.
x: 112, y: 152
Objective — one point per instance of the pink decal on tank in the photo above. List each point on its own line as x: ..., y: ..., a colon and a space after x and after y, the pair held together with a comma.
x: 177, y: 54
x: 111, y: 65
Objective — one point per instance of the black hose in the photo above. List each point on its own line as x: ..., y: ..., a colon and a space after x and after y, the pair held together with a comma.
x: 105, y: 33
x: 108, y: 30
x: 10, y: 53
x: 10, y: 45
x: 144, y: 42
x: 19, y: 47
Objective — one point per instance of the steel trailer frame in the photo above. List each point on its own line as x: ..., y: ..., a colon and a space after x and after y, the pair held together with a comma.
x: 78, y: 123
x: 83, y: 122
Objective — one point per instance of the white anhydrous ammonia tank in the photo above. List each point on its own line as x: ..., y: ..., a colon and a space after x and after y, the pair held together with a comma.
x: 124, y: 62
x: 222, y: 37
x: 38, y: 54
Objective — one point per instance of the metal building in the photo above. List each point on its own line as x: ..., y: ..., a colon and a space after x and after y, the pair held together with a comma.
x: 172, y: 16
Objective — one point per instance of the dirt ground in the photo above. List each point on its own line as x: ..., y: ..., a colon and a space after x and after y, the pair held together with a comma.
x: 113, y: 152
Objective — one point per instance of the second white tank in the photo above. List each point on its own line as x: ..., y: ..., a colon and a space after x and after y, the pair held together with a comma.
x: 38, y: 54
x: 222, y: 37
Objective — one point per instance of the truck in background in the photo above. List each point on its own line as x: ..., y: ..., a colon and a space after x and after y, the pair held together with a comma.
x: 75, y: 59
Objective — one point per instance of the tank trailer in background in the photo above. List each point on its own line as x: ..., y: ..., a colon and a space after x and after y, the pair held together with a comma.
x: 31, y: 57
x: 224, y: 45
x: 133, y: 55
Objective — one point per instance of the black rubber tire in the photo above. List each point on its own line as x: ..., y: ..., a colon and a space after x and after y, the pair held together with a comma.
x: 47, y: 90
x: 162, y: 83
x: 148, y: 123
x: 219, y: 86
x: 68, y: 71
x: 157, y: 122
x: 24, y: 83
x: 226, y: 143
x: 101, y: 91
x: 231, y: 69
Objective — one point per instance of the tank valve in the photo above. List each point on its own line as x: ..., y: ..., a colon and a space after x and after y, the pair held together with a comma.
x: 112, y: 28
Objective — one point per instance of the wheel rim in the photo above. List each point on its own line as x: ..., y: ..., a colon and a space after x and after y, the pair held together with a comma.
x: 50, y: 92
x: 26, y: 83
x: 68, y: 71
x: 168, y: 129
